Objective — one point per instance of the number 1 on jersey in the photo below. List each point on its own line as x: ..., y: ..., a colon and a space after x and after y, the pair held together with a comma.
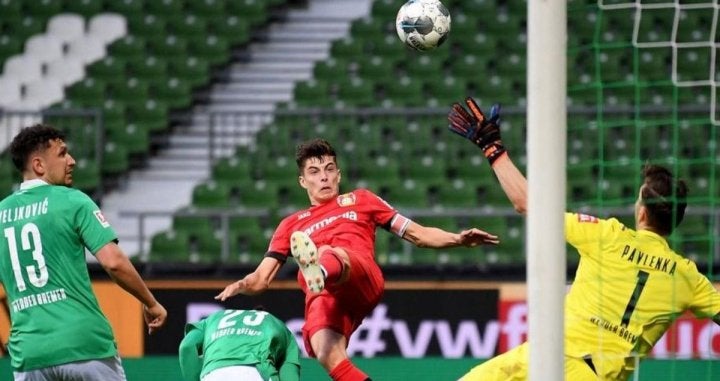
x: 639, y: 286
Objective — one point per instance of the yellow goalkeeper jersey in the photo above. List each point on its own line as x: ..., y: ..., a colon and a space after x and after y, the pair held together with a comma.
x: 629, y: 287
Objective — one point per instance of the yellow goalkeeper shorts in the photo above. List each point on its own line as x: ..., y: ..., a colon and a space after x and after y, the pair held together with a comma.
x: 513, y: 366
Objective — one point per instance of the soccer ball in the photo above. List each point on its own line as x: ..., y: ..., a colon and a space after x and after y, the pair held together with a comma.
x: 423, y: 24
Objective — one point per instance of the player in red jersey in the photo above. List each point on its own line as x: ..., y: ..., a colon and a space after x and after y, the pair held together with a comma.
x: 334, y: 244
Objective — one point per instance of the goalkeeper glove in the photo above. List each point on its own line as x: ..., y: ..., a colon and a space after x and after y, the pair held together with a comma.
x: 474, y: 126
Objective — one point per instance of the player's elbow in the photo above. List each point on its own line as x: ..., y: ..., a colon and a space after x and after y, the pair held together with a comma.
x: 521, y: 208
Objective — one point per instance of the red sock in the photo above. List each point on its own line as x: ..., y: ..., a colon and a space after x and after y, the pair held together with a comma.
x: 346, y: 371
x: 333, y: 265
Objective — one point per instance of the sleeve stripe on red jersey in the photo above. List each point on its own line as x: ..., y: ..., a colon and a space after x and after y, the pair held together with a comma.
x: 279, y: 256
x: 399, y: 224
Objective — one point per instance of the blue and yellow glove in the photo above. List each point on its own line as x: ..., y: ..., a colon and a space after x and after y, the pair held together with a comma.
x: 474, y: 126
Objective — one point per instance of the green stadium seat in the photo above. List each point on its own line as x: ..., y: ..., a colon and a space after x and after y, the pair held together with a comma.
x: 186, y: 26
x: 152, y: 115
x: 167, y: 46
x: 206, y: 8
x: 457, y: 194
x: 446, y: 89
x: 232, y: 169
x: 291, y: 196
x: 369, y: 29
x: 133, y: 137
x: 147, y: 69
x: 87, y: 91
x: 381, y: 168
x: 9, y: 46
x: 654, y: 64
x: 385, y: 9
x: 693, y: 64
x: 213, y: 49
x: 232, y: 29
x: 85, y: 8
x: 425, y: 67
x: 24, y: 27
x: 330, y: 69
x: 11, y: 9
x: 311, y: 92
x: 129, y: 8
x: 252, y: 10
x: 478, y: 7
x: 128, y: 47
x: 172, y: 92
x: 86, y: 175
x: 113, y: 113
x: 211, y: 195
x: 694, y: 26
x: 189, y: 221
x: 388, y: 47
x: 280, y: 169
x: 247, y: 248
x: 169, y: 247
x: 513, y: 65
x: 131, y: 92
x: 616, y: 26
x: 426, y: 168
x: 165, y: 8
x: 376, y: 69
x: 115, y: 159
x: 469, y: 66
x: 405, y: 92
x: 408, y: 194
x: 107, y: 69
x: 356, y: 92
x: 147, y: 26
x: 191, y: 70
x: 257, y: 194
x: 43, y: 9
x: 346, y: 48
x: 654, y: 26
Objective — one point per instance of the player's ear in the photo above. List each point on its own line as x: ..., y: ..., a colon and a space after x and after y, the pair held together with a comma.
x: 37, y: 165
x: 301, y: 181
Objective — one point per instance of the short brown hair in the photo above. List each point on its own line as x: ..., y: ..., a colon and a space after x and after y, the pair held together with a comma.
x: 313, y: 148
x: 32, y: 139
x: 664, y: 197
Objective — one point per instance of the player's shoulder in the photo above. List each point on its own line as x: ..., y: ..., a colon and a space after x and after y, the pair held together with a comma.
x: 72, y: 194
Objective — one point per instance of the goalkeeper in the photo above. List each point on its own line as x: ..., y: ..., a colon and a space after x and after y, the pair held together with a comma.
x: 629, y: 286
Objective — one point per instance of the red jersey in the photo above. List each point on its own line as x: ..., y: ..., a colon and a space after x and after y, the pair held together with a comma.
x: 348, y: 221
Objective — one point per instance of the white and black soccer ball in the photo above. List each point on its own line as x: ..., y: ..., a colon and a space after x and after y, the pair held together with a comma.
x: 423, y: 24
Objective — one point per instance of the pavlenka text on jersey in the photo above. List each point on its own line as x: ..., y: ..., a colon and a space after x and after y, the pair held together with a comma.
x: 23, y: 212
x: 620, y: 330
x: 33, y: 300
x: 636, y: 256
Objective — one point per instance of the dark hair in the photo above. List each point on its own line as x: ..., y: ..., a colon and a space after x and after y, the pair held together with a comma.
x: 313, y: 148
x: 32, y: 139
x: 664, y: 197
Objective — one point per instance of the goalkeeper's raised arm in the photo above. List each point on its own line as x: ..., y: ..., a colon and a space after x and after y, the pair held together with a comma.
x: 485, y: 133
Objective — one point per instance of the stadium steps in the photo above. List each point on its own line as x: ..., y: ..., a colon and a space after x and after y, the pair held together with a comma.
x: 173, y: 174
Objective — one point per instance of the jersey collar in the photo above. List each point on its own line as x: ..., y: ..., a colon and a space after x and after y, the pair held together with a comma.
x: 32, y: 183
x: 652, y: 235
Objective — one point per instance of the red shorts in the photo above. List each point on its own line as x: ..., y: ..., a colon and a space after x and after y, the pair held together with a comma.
x: 342, y: 308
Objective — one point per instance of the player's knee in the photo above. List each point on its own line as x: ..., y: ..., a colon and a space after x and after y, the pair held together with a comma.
x: 342, y: 256
x: 328, y: 358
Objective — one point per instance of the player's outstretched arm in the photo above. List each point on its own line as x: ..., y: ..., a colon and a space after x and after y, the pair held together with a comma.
x: 485, y: 133
x: 254, y: 283
x: 122, y: 271
x: 189, y: 355
x: 432, y: 237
